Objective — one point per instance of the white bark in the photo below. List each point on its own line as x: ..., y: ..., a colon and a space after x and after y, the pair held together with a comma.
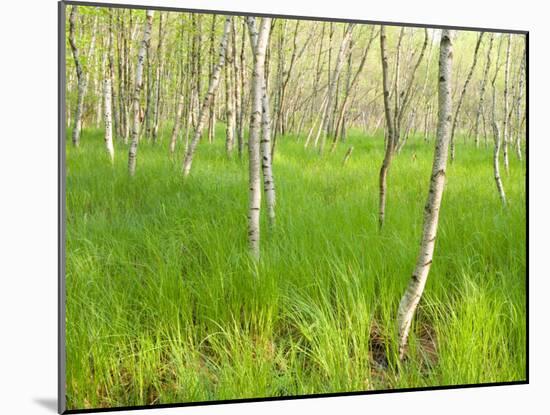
x: 258, y: 42
x: 204, y: 111
x: 518, y: 107
x: 80, y: 78
x: 100, y: 103
x: 107, y: 94
x: 132, y: 153
x: 266, y: 150
x: 265, y: 141
x: 409, y: 302
x: 496, y: 137
x: 505, y: 134
x: 158, y: 78
x: 229, y: 111
x: 389, y: 133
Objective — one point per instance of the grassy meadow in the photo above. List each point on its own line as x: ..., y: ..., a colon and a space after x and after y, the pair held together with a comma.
x: 164, y: 305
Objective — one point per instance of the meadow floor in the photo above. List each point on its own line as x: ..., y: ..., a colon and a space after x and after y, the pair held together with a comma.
x: 164, y: 305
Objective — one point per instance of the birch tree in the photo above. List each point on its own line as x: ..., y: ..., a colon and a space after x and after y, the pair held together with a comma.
x: 132, y: 153
x: 352, y: 85
x: 265, y: 139
x: 413, y: 293
x: 328, y: 115
x: 505, y: 126
x: 81, y: 78
x: 462, y: 94
x: 258, y: 41
x: 158, y: 78
x: 518, y: 106
x: 394, y: 117
x: 112, y: 70
x: 212, y: 88
x: 389, y: 133
x: 482, y: 89
x: 496, y: 134
x: 229, y: 98
x: 107, y: 95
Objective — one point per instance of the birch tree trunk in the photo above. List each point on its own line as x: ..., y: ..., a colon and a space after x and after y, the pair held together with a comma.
x: 390, y: 135
x: 265, y: 140
x: 482, y: 90
x: 111, y: 69
x: 100, y: 104
x: 242, y: 58
x: 204, y: 111
x: 327, y: 123
x: 258, y: 41
x: 177, y: 122
x: 410, y: 299
x: 505, y: 132
x: 518, y: 107
x: 132, y: 153
x: 351, y: 86
x: 401, y: 100
x: 121, y: 80
x: 496, y: 136
x: 107, y: 95
x: 212, y: 113
x: 149, y: 93
x: 236, y: 79
x: 266, y: 150
x: 462, y: 94
x: 158, y: 83
x: 81, y: 79
x: 229, y: 110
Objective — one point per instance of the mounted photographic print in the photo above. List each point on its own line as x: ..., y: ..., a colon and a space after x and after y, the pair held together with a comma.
x: 278, y: 207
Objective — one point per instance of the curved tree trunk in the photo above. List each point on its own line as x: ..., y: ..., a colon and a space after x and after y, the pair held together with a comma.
x: 204, y: 111
x: 496, y: 136
x: 390, y: 138
x: 409, y: 302
x: 462, y: 94
x: 132, y: 152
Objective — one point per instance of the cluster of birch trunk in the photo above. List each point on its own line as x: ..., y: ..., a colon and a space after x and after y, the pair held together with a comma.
x: 172, y: 78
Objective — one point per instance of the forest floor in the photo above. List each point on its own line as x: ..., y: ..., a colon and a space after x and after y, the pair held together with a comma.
x: 164, y: 304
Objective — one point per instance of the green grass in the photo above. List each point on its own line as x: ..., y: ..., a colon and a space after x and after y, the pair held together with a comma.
x: 164, y: 304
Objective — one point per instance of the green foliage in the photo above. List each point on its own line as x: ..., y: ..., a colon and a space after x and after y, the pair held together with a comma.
x: 164, y: 306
